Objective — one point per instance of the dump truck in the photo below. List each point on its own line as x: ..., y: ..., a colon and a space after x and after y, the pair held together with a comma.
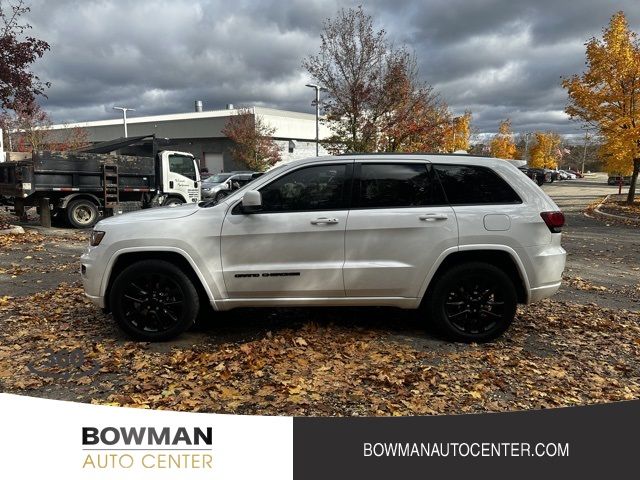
x: 109, y: 178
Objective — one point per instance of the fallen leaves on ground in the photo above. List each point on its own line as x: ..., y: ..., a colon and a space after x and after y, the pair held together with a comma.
x: 555, y: 354
x: 622, y: 208
x: 615, y: 205
x: 581, y: 284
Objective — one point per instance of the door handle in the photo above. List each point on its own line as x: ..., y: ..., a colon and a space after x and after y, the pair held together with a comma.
x: 430, y: 217
x: 324, y: 221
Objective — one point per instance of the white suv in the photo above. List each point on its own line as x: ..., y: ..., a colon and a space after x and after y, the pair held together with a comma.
x: 464, y: 239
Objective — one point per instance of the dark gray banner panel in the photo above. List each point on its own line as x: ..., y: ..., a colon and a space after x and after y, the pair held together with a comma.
x: 579, y: 442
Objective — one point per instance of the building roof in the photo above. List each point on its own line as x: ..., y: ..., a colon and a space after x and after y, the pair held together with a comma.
x: 205, y: 124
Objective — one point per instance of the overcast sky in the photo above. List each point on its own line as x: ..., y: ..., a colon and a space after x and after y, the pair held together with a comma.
x: 498, y: 58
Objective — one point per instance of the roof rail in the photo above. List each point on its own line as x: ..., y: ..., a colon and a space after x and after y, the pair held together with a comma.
x: 455, y: 154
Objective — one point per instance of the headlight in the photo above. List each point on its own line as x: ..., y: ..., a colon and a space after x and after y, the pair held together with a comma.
x: 96, y: 237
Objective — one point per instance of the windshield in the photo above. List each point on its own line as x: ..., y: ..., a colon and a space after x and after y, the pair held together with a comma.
x: 183, y: 165
x: 219, y: 178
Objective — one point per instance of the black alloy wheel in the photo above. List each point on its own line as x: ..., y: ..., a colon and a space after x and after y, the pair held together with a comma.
x: 473, y: 302
x: 153, y: 300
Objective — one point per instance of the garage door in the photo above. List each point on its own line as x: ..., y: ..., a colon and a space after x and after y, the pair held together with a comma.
x: 213, y: 161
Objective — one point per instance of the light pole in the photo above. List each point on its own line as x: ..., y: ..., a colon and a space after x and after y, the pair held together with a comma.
x: 124, y: 117
x: 317, y: 104
x: 526, y: 135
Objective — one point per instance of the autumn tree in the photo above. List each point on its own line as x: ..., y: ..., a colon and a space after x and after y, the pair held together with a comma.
x: 457, y: 134
x: 545, y: 152
x: 416, y: 115
x: 253, y: 143
x: 607, y: 96
x: 75, y: 138
x: 502, y: 144
x: 373, y: 98
x: 27, y: 127
x: 18, y: 84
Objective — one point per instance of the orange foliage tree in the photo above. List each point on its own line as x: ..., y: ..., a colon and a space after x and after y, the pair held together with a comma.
x: 607, y: 96
x: 502, y: 145
x: 457, y: 134
x: 545, y: 152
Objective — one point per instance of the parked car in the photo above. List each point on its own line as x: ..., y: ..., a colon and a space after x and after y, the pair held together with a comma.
x: 550, y: 175
x: 229, y: 182
x: 538, y: 175
x: 615, y: 180
x: 461, y: 239
x: 566, y: 175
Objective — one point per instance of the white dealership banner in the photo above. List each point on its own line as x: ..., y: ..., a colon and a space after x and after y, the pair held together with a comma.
x: 42, y: 438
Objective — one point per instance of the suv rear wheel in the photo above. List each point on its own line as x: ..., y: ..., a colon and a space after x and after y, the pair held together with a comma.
x: 472, y: 302
x: 153, y: 300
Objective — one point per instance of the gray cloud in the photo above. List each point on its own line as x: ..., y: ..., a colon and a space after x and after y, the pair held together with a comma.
x: 498, y: 58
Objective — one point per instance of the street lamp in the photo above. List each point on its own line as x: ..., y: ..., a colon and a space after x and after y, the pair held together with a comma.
x: 124, y: 117
x: 527, y: 136
x: 317, y: 104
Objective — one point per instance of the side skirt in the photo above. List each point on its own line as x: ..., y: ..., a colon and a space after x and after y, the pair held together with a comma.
x: 399, y: 302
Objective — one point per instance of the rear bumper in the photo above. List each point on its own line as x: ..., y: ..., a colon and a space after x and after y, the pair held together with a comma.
x: 544, y: 266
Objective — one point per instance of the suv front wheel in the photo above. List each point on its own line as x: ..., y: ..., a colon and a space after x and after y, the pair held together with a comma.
x: 472, y: 302
x: 153, y: 300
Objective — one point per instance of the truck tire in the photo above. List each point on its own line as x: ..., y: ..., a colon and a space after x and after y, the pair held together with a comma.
x: 472, y: 302
x: 82, y: 213
x: 154, y: 300
x: 172, y: 201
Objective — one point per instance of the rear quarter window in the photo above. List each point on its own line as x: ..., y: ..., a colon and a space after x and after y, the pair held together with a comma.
x: 470, y: 184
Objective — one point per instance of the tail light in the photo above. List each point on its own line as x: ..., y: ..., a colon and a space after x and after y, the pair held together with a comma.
x: 554, y: 220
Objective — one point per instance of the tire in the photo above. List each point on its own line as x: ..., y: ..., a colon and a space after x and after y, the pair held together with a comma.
x: 154, y: 301
x: 82, y: 213
x: 463, y: 315
x: 173, y: 201
x: 221, y: 195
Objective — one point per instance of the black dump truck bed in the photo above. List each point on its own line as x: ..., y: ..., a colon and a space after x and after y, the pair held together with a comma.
x: 74, y: 172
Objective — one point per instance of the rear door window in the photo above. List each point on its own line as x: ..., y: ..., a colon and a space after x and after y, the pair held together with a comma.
x: 393, y: 185
x: 470, y: 185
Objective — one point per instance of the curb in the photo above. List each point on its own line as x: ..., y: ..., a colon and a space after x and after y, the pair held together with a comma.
x: 12, y: 230
x: 611, y: 215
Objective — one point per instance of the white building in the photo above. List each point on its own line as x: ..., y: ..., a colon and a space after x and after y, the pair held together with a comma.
x: 200, y: 133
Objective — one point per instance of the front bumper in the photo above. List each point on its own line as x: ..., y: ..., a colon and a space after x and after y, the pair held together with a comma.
x: 91, y: 279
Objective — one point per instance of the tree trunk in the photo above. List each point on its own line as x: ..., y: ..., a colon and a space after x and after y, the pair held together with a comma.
x: 634, y: 180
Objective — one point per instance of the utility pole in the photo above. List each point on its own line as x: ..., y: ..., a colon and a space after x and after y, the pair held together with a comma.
x: 584, y: 153
x: 124, y: 117
x: 317, y: 104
